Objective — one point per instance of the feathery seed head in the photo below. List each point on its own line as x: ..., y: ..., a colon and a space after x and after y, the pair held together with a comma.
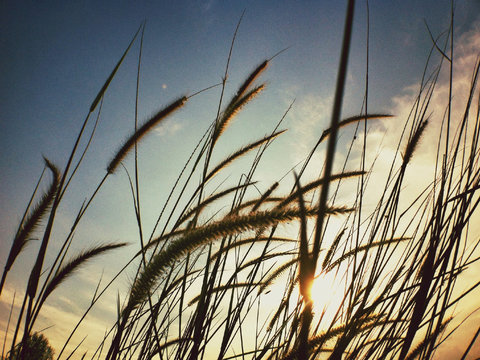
x: 142, y: 131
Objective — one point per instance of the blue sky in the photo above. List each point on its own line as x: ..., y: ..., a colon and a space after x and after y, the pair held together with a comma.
x: 57, y: 54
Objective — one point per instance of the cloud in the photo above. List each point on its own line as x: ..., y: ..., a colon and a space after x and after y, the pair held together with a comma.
x: 420, y: 172
x: 168, y: 128
x: 466, y: 52
x: 207, y: 5
x: 383, y: 139
x: 58, y: 318
x: 309, y: 117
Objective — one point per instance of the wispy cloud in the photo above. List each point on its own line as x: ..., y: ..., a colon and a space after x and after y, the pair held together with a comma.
x: 168, y: 128
x: 207, y: 5
x: 58, y: 318
x: 308, y: 118
x: 466, y: 54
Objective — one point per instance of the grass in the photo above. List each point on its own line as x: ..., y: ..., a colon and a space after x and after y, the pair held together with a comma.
x: 201, y: 280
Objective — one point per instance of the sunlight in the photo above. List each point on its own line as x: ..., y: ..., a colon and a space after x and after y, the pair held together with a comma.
x: 327, y: 294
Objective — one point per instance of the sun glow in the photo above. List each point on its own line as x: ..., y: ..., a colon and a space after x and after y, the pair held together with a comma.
x: 327, y: 293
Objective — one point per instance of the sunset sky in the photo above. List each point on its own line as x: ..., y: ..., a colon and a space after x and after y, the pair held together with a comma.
x: 56, y: 56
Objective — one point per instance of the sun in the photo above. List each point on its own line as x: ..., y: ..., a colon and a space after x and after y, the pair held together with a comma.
x: 327, y: 292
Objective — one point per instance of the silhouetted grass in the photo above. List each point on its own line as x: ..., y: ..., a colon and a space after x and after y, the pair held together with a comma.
x: 201, y: 280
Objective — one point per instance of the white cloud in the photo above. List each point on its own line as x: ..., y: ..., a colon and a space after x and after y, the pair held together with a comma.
x: 309, y: 117
x: 420, y: 172
x: 312, y: 112
x: 168, y: 128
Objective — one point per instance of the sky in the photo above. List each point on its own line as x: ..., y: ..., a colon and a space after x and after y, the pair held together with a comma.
x: 56, y: 56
